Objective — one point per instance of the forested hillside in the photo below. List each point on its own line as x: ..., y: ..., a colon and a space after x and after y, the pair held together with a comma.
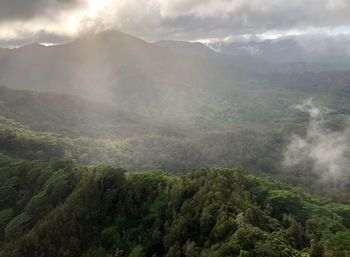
x: 61, y: 209
x: 67, y: 115
x: 49, y: 126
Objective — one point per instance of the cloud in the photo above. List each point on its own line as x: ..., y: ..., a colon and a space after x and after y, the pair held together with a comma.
x: 329, y: 150
x: 20, y: 10
x: 218, y: 18
x: 172, y: 19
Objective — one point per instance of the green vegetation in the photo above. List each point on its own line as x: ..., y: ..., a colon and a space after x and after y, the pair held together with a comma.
x: 58, y: 197
x: 62, y: 209
x: 261, y: 153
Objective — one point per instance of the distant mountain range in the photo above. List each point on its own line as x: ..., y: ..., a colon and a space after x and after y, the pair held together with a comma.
x: 169, y: 79
x: 114, y: 67
x: 331, y: 53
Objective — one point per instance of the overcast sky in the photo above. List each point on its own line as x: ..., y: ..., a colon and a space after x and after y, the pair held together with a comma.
x: 56, y: 21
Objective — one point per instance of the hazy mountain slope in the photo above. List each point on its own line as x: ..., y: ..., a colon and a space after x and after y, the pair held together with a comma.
x: 293, y: 54
x: 113, y: 67
x: 162, y: 83
x: 128, y: 72
x: 188, y: 48
x: 68, y: 115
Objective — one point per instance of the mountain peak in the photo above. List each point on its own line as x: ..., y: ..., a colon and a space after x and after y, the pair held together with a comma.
x: 108, y: 35
x: 191, y: 48
x: 35, y: 46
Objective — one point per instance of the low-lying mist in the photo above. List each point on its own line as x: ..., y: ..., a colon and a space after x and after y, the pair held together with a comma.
x: 327, y: 149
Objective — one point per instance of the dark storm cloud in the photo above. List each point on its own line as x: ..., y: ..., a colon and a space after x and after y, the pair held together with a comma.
x: 21, y: 10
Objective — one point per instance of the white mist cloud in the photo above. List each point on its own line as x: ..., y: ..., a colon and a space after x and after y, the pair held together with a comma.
x: 329, y: 150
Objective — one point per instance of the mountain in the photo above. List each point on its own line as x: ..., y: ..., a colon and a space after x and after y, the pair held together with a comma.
x: 187, y: 48
x: 127, y: 72
x: 298, y: 53
x: 281, y: 50
x: 168, y: 80
x: 113, y: 67
x: 61, y: 209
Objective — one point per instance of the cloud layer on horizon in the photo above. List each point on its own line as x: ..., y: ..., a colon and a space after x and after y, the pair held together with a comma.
x: 54, y: 20
x: 290, y: 48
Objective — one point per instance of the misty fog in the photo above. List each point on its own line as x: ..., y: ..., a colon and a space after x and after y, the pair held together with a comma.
x: 329, y: 150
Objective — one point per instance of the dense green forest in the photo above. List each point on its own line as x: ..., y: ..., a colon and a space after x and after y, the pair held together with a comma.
x: 260, y: 153
x: 58, y: 208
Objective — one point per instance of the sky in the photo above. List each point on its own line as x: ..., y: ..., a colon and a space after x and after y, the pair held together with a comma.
x: 57, y: 21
